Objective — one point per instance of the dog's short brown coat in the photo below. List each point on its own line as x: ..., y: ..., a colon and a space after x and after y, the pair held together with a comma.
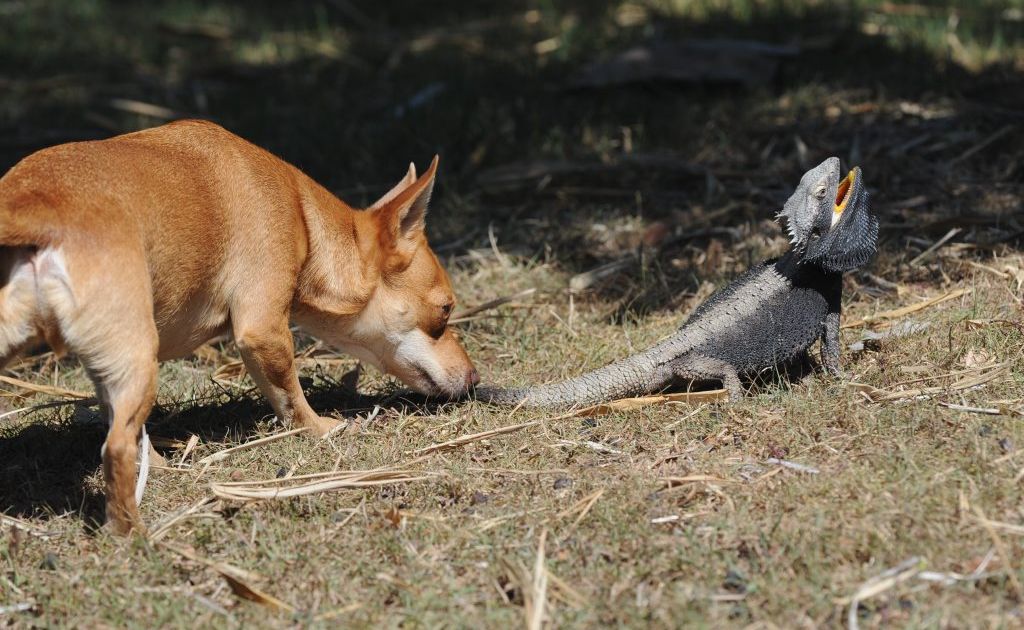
x: 141, y: 247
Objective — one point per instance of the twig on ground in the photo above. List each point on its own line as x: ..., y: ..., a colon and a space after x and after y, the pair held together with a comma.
x: 1000, y: 545
x: 145, y: 109
x: 983, y: 144
x: 881, y: 583
x: 684, y: 418
x: 629, y: 404
x: 906, y: 310
x: 193, y: 440
x: 537, y: 595
x: 564, y: 592
x: 992, y: 411
x: 473, y: 437
x: 161, y: 529
x: 222, y: 455
x: 931, y: 250
x: 27, y: 527
x: 238, y: 579
x: 582, y: 507
x: 665, y: 519
x: 498, y: 520
x: 516, y: 471
x: 672, y: 482
x: 589, y: 278
x: 44, y: 389
x: 977, y: 377
x: 261, y: 490
x: 463, y: 316
x: 16, y: 608
x: 594, y: 446
x: 810, y: 470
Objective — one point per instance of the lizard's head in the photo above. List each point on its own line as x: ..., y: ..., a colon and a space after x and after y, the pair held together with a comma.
x: 829, y: 219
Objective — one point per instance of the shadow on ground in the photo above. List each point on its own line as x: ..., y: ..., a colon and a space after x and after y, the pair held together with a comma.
x: 48, y: 468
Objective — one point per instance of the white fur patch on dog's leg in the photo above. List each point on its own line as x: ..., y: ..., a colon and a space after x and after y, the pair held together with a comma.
x: 143, y: 476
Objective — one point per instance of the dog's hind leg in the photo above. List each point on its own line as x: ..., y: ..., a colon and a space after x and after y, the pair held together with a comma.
x: 106, y: 318
x: 130, y: 398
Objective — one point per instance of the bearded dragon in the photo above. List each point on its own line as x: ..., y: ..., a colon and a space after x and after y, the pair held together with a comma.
x: 772, y: 313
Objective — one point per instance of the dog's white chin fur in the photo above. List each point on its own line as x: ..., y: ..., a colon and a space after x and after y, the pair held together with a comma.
x: 413, y: 352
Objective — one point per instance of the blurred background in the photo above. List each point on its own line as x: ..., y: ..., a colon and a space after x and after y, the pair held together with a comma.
x: 620, y: 140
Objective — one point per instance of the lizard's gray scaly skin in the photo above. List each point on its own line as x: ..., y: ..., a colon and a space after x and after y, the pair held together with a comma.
x: 770, y: 314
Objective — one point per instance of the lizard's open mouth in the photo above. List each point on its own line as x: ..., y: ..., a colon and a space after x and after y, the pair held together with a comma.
x: 843, y: 194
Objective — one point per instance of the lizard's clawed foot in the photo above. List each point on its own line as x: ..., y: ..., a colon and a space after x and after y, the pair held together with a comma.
x: 834, y: 371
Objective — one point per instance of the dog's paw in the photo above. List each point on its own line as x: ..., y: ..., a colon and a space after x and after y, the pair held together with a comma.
x: 320, y: 426
x: 124, y: 527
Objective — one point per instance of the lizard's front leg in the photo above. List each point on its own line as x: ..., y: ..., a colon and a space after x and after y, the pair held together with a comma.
x: 696, y: 367
x: 830, y: 345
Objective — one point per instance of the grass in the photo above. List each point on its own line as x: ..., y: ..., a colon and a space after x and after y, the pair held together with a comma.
x: 666, y: 515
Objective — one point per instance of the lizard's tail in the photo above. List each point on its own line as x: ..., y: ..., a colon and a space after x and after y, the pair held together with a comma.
x: 639, y: 374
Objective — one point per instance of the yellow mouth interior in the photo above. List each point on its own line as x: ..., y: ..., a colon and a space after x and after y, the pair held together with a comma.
x: 843, y: 193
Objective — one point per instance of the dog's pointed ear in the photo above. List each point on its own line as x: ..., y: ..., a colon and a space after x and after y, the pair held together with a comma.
x: 404, y: 183
x: 405, y: 215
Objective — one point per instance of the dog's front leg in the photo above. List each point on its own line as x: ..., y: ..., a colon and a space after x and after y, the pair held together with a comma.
x: 269, y: 354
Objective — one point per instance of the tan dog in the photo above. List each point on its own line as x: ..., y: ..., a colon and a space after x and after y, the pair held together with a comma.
x: 141, y: 247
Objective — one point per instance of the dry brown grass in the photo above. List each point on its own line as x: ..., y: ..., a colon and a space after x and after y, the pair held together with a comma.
x: 662, y: 514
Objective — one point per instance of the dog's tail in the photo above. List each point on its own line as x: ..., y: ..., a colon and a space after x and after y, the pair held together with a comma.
x: 27, y: 219
x: 28, y: 225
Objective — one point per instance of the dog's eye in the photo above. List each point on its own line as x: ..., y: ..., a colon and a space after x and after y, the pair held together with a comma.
x: 446, y: 310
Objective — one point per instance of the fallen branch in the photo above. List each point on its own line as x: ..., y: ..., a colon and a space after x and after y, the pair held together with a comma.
x: 16, y: 608
x: 238, y: 579
x: 1000, y: 545
x: 906, y: 310
x: 672, y: 482
x: 881, y: 583
x: 810, y: 470
x: 629, y: 404
x: 222, y: 455
x: 474, y: 437
x: 581, y: 508
x: 537, y: 595
x: 939, y: 243
x: 161, y: 529
x: 32, y: 529
x: 877, y: 395
x: 991, y: 411
x: 589, y: 278
x: 44, y: 389
x: 263, y: 490
x: 463, y: 316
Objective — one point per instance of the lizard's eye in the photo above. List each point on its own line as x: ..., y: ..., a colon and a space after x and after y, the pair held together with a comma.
x: 819, y: 191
